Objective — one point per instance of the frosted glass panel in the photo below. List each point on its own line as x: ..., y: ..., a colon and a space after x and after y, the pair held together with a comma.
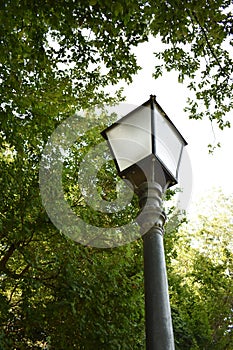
x: 131, y: 139
x: 168, y: 143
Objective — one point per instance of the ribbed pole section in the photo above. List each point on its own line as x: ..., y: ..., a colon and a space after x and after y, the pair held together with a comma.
x: 159, y: 331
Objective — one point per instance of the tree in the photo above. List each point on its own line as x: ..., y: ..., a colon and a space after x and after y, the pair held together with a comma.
x: 204, y: 265
x: 57, y: 57
x: 40, y: 86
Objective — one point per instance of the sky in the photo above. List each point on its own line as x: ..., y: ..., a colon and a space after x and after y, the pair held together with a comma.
x: 209, y: 171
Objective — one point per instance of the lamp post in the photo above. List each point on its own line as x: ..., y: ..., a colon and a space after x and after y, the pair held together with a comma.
x: 147, y: 150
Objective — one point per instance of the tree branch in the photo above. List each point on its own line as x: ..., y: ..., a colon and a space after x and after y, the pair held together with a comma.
x: 207, y: 41
x: 7, y: 256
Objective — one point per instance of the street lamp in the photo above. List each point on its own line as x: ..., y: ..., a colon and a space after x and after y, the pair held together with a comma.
x: 147, y: 150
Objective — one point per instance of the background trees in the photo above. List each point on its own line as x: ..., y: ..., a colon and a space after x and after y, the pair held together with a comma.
x: 59, y: 57
x: 204, y: 264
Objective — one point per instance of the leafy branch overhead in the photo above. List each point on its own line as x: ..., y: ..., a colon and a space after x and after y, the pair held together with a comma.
x: 198, y: 46
x: 57, y: 56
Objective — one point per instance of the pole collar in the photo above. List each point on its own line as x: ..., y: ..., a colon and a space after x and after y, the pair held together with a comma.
x: 150, y: 200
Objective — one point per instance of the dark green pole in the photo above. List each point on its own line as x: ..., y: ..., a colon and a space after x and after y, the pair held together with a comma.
x: 159, y: 331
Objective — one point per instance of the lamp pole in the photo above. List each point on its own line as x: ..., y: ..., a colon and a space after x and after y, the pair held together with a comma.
x: 147, y: 150
x: 159, y: 331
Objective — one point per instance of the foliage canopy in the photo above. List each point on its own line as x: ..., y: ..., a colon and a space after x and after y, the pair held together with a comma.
x: 57, y: 56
